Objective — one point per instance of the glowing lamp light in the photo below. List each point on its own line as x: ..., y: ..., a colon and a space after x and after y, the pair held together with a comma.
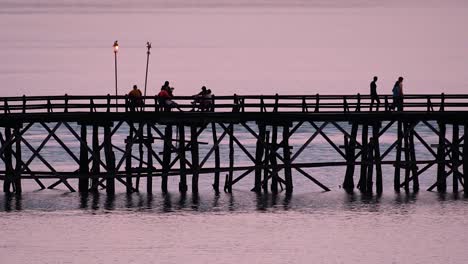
x: 116, y: 46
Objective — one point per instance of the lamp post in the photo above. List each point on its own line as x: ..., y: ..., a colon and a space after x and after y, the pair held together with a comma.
x: 148, y: 46
x: 116, y: 49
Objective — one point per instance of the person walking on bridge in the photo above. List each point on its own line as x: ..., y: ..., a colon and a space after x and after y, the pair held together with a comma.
x: 397, y: 93
x: 374, y: 95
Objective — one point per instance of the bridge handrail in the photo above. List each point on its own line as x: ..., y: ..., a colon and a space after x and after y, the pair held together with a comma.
x: 236, y: 103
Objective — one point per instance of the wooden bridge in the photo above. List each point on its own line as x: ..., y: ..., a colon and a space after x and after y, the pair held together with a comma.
x: 168, y: 142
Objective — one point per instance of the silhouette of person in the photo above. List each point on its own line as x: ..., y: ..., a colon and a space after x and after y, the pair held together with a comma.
x: 374, y: 95
x: 397, y: 93
x: 198, y: 98
x: 134, y: 97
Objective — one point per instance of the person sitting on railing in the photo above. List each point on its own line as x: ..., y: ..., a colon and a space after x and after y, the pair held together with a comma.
x: 198, y: 98
x: 134, y: 98
x: 397, y: 93
x: 165, y: 99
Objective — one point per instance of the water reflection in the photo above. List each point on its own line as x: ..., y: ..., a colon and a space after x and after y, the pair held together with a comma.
x: 12, y: 202
x: 398, y: 203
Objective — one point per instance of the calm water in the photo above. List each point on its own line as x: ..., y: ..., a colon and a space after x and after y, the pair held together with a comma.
x: 247, y: 47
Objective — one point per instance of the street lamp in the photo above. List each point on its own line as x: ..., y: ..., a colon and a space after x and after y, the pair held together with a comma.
x: 148, y: 46
x: 116, y: 49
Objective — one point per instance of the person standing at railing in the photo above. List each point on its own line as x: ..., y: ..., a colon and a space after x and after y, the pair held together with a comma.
x: 134, y: 98
x: 397, y: 93
x: 374, y: 95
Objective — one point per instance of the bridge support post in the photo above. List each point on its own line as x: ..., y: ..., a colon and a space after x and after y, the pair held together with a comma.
x: 266, y: 162
x: 370, y: 167
x: 195, y: 158
x: 128, y: 159
x: 18, y: 162
x: 455, y: 156
x: 83, y: 181
x: 96, y: 167
x: 414, y: 167
x: 364, y: 158
x: 228, y: 183
x: 378, y: 162
x: 465, y: 159
x: 441, y: 177
x: 110, y: 161
x: 396, y: 178
x: 166, y: 157
x: 287, y: 160
x: 8, y: 151
x: 183, y: 169
x: 217, y: 158
x: 274, y: 167
x: 149, y: 146
x: 260, y: 147
x: 408, y: 163
x: 141, y: 142
x: 348, y: 183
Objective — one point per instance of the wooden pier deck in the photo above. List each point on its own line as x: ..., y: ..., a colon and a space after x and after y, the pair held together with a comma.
x: 164, y: 143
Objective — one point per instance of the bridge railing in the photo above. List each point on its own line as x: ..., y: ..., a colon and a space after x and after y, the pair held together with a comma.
x: 233, y: 103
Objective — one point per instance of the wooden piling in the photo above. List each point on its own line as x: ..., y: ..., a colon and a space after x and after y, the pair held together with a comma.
x: 364, y: 158
x: 166, y: 157
x: 348, y: 183
x: 396, y: 178
x: 128, y: 159
x: 141, y: 141
x: 96, y: 167
x: 83, y: 181
x: 414, y: 168
x: 370, y: 167
x: 274, y: 165
x: 465, y: 159
x: 231, y: 157
x: 149, y: 151
x: 195, y: 158
x: 217, y: 158
x: 287, y: 160
x: 110, y: 161
x: 18, y: 162
x: 266, y: 162
x: 455, y: 157
x: 183, y: 167
x: 378, y: 162
x: 441, y: 177
x: 406, y: 147
x: 8, y: 152
x: 260, y: 149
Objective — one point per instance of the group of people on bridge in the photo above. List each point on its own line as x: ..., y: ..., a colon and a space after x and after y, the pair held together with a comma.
x: 203, y: 101
x: 397, y: 94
